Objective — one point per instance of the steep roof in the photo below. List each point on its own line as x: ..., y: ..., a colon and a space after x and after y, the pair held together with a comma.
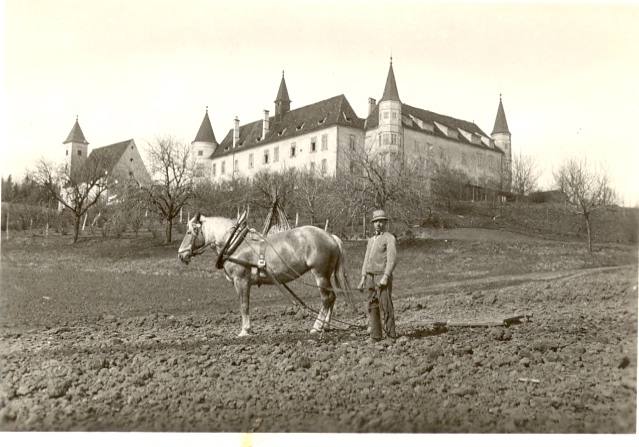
x: 431, y: 117
x: 282, y: 93
x: 501, y: 125
x: 310, y: 118
x: 390, y: 89
x: 205, y: 134
x: 76, y: 135
x: 106, y: 157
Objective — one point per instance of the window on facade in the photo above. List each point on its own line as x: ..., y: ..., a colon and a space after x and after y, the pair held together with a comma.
x: 200, y: 153
x: 199, y: 170
x: 464, y: 159
x: 312, y: 167
x: 250, y: 161
x: 67, y: 151
x: 236, y: 166
x: 79, y: 151
x: 213, y: 170
x: 266, y: 154
x: 386, y: 138
x: 324, y: 166
x: 223, y: 167
x: 276, y: 154
x: 351, y: 167
x: 313, y: 144
x: 324, y: 142
x: 394, y: 115
x: 293, y: 148
x: 351, y: 142
x: 385, y: 115
x: 131, y: 160
x: 393, y: 138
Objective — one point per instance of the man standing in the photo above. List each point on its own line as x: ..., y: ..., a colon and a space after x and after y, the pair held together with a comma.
x: 377, y: 276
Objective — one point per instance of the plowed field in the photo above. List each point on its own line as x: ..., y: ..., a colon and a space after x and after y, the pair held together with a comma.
x: 117, y: 335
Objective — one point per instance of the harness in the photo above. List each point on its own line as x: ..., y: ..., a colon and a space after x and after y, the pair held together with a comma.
x: 239, y: 233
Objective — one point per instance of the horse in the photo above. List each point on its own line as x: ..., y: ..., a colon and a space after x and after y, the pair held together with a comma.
x: 281, y: 257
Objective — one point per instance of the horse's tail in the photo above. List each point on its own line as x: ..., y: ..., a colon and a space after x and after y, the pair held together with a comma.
x: 341, y: 281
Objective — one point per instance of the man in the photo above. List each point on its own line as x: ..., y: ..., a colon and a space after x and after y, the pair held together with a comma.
x: 377, y: 275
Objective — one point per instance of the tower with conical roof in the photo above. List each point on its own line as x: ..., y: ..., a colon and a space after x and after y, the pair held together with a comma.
x: 282, y: 102
x: 76, y: 147
x: 502, y: 137
x: 204, y: 144
x: 390, y: 133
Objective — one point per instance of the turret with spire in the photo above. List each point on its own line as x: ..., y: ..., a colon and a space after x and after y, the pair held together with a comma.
x: 282, y: 102
x: 502, y: 137
x: 390, y: 132
x: 204, y: 144
x: 76, y: 147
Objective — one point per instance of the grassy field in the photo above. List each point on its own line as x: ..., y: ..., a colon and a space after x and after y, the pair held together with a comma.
x: 48, y: 281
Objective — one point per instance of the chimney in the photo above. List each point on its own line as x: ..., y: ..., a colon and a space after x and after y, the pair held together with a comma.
x: 236, y: 131
x: 265, y: 124
x: 371, y: 105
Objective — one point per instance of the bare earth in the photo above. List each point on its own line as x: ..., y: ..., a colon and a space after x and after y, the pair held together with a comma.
x: 130, y: 340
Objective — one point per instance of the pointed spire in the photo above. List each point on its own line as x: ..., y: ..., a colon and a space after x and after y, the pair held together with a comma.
x: 205, y: 134
x: 501, y: 125
x: 282, y: 102
x: 390, y: 90
x: 76, y: 135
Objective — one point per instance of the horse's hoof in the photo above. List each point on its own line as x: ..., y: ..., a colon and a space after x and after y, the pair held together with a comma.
x: 243, y: 334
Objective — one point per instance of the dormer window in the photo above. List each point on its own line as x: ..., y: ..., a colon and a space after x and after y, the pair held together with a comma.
x: 227, y: 148
x: 300, y: 126
x: 321, y: 121
x: 346, y: 118
x: 279, y: 134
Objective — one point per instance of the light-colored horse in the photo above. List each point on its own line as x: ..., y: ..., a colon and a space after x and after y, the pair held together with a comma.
x: 286, y: 256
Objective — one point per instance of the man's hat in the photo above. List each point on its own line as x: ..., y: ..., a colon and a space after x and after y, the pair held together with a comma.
x: 379, y: 215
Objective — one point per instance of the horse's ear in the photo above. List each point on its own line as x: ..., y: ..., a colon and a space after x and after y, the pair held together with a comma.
x: 197, y: 217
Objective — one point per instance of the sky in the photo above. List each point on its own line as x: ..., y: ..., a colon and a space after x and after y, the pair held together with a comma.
x: 568, y: 73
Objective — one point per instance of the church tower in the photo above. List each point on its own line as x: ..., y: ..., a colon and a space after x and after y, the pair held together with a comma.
x: 502, y: 138
x: 390, y: 134
x: 204, y: 145
x: 76, y: 148
x: 282, y: 102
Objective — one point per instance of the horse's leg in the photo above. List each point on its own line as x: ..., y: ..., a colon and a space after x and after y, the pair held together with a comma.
x: 243, y: 290
x: 328, y: 299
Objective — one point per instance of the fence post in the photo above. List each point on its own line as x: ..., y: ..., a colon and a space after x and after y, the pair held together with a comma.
x: 85, y: 220
x: 326, y: 225
x: 180, y: 214
x: 7, y: 225
x: 364, y: 226
x: 297, y: 219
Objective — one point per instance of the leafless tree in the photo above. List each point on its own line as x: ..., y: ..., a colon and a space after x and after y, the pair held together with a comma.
x: 77, y: 189
x: 585, y: 186
x: 525, y: 174
x: 448, y: 182
x: 172, y: 172
x: 378, y: 179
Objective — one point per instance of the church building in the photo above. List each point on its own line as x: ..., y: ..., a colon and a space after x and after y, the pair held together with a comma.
x: 121, y: 161
x: 320, y: 137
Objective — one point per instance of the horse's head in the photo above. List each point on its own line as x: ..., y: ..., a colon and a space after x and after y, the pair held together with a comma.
x: 194, y: 241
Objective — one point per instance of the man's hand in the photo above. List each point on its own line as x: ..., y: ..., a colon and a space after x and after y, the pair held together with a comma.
x: 362, y: 282
x: 384, y: 280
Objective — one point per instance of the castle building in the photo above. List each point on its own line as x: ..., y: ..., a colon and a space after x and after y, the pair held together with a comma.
x: 322, y: 136
x: 120, y: 161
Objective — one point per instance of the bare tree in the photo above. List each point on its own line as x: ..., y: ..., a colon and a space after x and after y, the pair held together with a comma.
x: 449, y: 183
x: 310, y: 193
x: 586, y: 187
x: 172, y: 178
x: 77, y: 190
x: 525, y: 174
x: 378, y: 179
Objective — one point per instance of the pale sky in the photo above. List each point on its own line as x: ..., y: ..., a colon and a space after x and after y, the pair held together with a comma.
x: 569, y: 74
